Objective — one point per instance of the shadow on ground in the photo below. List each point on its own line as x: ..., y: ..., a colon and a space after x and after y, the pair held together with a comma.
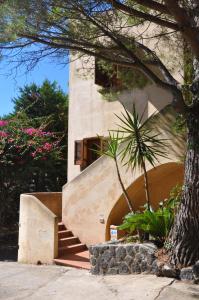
x: 8, y: 246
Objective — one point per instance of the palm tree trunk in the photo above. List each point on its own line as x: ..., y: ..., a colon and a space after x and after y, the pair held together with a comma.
x: 128, y: 201
x: 146, y: 185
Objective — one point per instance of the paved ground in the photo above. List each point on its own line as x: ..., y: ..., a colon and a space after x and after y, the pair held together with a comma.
x: 19, y: 281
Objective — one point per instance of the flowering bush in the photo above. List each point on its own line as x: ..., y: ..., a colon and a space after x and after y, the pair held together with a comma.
x: 31, y: 160
x: 21, y: 145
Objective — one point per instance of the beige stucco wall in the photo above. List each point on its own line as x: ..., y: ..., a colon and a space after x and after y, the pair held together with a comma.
x: 91, y: 115
x: 93, y: 194
x: 38, y: 228
x: 161, y: 181
x: 53, y: 201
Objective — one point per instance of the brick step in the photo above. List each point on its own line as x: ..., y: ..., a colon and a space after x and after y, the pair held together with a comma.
x: 72, y: 249
x: 61, y: 226
x: 72, y: 240
x: 64, y: 234
x: 79, y: 260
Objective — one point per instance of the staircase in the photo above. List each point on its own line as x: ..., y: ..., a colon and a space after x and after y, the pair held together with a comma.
x: 71, y: 252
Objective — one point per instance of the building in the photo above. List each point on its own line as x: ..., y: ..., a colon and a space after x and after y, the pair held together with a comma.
x: 92, y: 199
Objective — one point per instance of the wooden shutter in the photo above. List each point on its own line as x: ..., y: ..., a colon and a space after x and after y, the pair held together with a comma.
x: 78, y: 159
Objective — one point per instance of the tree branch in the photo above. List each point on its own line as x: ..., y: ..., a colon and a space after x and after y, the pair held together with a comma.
x: 154, y: 5
x: 178, y: 100
x: 189, y: 32
x: 148, y: 17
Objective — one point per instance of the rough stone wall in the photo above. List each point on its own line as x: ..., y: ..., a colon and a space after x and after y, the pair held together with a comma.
x: 114, y: 258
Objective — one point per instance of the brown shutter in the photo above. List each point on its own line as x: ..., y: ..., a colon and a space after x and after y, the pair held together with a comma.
x: 78, y: 159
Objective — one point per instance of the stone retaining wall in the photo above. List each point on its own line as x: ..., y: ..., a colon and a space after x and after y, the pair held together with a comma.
x: 114, y: 258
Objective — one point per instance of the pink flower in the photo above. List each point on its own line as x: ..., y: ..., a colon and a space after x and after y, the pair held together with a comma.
x: 3, y: 123
x: 47, y: 146
x: 11, y: 140
x: 31, y: 131
x: 36, y: 132
x: 33, y: 154
x: 3, y: 134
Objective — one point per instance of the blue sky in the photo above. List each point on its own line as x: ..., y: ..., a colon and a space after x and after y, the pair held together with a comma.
x: 9, y: 84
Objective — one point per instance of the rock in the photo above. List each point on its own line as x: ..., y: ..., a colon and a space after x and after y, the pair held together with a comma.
x: 95, y: 270
x: 144, y: 249
x: 120, y: 253
x: 102, y: 248
x: 107, y: 255
x: 151, y: 247
x: 120, y: 258
x: 95, y: 252
x: 93, y: 261
x: 159, y: 266
x: 137, y: 248
x: 138, y: 257
x: 135, y: 268
x: 186, y: 273
x: 195, y: 270
x: 154, y: 267
x: 128, y: 259
x: 150, y: 258
x: 130, y: 250
x: 168, y: 271
x: 112, y: 262
x: 112, y: 271
x: 103, y: 263
x: 123, y: 269
x: 112, y: 249
x: 143, y: 266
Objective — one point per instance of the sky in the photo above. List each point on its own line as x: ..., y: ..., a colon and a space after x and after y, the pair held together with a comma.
x: 10, y: 84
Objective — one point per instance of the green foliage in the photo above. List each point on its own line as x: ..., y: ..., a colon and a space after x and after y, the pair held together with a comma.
x: 33, y: 146
x: 156, y: 223
x: 141, y: 144
x: 121, y: 79
x: 45, y: 105
x: 179, y: 126
x: 111, y: 146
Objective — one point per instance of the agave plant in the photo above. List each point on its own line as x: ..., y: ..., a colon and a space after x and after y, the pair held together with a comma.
x: 140, y: 144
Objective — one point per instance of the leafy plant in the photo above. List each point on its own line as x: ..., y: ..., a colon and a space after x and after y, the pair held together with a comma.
x: 156, y: 223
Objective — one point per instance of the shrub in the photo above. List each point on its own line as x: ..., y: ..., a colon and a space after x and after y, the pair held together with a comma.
x: 28, y: 160
x: 155, y: 223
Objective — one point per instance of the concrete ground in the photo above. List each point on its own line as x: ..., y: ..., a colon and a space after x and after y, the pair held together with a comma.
x: 19, y: 281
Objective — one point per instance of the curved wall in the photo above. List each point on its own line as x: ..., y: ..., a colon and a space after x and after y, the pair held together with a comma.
x: 161, y: 180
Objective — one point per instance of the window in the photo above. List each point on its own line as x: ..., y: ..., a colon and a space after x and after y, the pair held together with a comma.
x: 104, y: 78
x: 85, y: 153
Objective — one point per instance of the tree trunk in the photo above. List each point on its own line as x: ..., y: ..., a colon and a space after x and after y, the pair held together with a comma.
x: 146, y: 186
x: 126, y: 196
x: 185, y: 232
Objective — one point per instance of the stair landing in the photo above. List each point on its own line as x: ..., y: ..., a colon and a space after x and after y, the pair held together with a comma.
x: 72, y: 253
x: 77, y: 260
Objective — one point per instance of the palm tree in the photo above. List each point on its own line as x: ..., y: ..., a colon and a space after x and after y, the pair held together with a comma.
x: 140, y: 145
x: 112, y: 150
